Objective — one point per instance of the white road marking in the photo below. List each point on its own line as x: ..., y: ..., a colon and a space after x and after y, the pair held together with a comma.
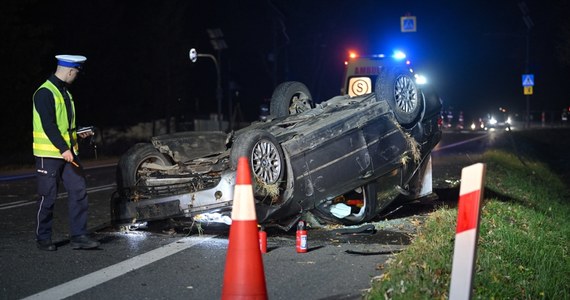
x: 92, y: 190
x: 11, y: 203
x: 458, y: 143
x: 15, y: 204
x: 88, y: 281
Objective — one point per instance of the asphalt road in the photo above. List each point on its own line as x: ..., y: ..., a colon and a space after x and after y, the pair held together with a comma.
x: 162, y: 263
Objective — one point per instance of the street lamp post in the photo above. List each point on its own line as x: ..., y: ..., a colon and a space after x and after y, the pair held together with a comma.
x: 194, y: 57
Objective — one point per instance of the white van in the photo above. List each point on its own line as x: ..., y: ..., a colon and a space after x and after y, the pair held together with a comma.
x: 392, y: 79
x: 361, y: 72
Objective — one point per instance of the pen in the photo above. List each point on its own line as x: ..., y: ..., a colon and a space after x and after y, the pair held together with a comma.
x: 75, y: 164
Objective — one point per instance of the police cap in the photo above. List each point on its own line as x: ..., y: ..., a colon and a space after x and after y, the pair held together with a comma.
x: 71, y: 61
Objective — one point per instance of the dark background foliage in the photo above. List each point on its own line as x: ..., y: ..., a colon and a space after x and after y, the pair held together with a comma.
x: 138, y: 68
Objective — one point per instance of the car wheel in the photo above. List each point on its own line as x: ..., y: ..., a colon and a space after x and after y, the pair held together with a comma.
x: 397, y: 86
x: 131, y: 163
x: 432, y: 101
x: 289, y: 98
x: 264, y: 154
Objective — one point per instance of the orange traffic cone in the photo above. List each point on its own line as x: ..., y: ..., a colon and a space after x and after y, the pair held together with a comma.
x: 244, y: 277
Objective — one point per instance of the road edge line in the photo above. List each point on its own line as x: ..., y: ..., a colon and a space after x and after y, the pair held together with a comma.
x: 96, y: 278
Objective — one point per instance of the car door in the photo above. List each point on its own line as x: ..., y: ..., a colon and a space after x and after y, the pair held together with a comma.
x: 338, y: 160
x: 386, y: 144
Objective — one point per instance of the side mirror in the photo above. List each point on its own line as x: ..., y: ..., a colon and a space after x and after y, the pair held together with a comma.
x: 193, y: 55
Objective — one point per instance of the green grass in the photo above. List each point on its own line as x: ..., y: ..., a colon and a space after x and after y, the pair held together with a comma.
x: 523, y: 247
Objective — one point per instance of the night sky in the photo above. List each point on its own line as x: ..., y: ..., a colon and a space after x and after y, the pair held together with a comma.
x: 138, y: 69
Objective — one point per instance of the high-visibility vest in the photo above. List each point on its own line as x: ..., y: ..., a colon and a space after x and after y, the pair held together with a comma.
x: 42, y: 146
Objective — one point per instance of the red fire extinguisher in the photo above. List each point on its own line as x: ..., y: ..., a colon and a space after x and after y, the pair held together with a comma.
x: 301, y: 239
x: 262, y: 240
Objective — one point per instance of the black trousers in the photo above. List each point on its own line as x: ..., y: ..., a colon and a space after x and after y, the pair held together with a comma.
x: 50, y: 171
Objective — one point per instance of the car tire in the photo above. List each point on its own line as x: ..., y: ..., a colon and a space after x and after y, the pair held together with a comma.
x: 432, y: 101
x: 130, y: 163
x: 396, y: 85
x: 289, y: 98
x: 264, y: 155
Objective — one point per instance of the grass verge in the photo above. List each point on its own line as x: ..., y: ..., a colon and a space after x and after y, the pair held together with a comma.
x: 523, y: 247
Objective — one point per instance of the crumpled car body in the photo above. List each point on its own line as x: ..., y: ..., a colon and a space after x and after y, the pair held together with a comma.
x: 343, y: 160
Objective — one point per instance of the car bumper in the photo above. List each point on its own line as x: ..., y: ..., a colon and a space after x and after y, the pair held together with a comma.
x: 125, y: 211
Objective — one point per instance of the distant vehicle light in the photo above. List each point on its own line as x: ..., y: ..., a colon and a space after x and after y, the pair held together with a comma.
x: 399, y: 55
x: 508, y: 120
x: 473, y: 127
x: 379, y: 55
x: 352, y: 55
x: 493, y: 121
x: 420, y: 79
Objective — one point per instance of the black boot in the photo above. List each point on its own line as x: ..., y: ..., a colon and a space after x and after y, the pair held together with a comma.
x: 83, y: 242
x: 46, y: 245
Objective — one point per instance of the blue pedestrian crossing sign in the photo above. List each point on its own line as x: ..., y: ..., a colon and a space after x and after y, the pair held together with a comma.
x: 528, y: 80
x: 408, y: 23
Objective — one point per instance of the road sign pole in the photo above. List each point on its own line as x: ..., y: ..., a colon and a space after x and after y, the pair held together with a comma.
x: 527, y: 111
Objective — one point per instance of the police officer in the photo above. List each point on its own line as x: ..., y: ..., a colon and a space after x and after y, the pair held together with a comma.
x: 55, y: 150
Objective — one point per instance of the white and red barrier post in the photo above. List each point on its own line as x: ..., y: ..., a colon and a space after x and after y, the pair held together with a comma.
x: 467, y: 232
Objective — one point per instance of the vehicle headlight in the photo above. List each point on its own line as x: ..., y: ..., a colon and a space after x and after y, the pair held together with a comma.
x: 420, y: 79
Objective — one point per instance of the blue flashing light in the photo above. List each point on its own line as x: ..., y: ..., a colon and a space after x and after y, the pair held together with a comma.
x: 399, y: 55
x: 378, y: 55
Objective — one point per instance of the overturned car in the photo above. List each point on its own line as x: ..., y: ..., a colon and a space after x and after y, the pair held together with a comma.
x: 343, y: 160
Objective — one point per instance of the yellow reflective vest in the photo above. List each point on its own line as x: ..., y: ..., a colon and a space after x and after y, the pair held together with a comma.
x: 42, y: 146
